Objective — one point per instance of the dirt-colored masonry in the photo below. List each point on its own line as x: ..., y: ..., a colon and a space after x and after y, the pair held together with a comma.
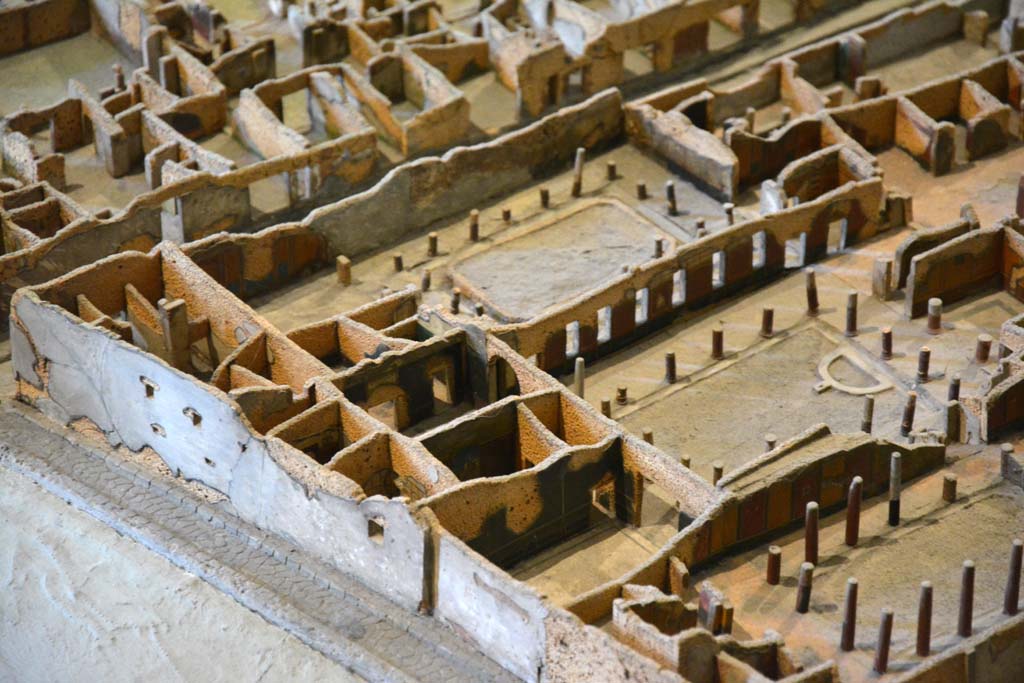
x: 616, y: 358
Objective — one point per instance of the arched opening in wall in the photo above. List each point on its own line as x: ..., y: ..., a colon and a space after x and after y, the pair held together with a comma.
x: 718, y: 270
x: 604, y: 324
x: 572, y: 339
x: 760, y: 241
x: 679, y: 288
x: 837, y: 235
x: 796, y: 251
x: 643, y: 300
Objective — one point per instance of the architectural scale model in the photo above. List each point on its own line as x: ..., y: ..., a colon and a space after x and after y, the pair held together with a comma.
x: 536, y: 340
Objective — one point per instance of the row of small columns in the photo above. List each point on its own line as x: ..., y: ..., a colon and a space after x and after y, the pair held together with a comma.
x: 1011, y: 595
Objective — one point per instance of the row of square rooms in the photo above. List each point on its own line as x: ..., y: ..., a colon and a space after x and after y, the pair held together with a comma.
x: 795, y: 257
x: 511, y: 435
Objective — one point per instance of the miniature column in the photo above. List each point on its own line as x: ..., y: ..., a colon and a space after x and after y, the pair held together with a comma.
x: 577, y: 172
x: 924, y: 357
x: 606, y: 407
x: 670, y: 198
x: 769, y: 442
x: 767, y: 322
x: 717, y: 470
x: 934, y: 316
x: 966, y: 618
x: 432, y: 244
x: 949, y: 488
x: 853, y: 503
x: 474, y: 226
x: 506, y: 214
x: 545, y: 197
x: 425, y: 281
x: 717, y: 343
x: 907, y: 425
x: 456, y: 300
x: 648, y: 436
x: 803, y: 587
x: 812, y: 292
x: 924, y: 620
x: 884, y: 640
x: 1011, y: 597
x: 344, y: 270
x: 774, y: 568
x: 641, y: 190
x: 399, y: 265
x: 849, y: 631
x: 670, y: 368
x: 578, y: 376
x: 622, y: 395
x: 867, y: 417
x: 613, y: 172
x: 659, y: 248
x: 886, y: 343
x: 811, y: 533
x: 983, y: 348
x: 895, y: 484
x: 730, y: 212
x: 851, y: 314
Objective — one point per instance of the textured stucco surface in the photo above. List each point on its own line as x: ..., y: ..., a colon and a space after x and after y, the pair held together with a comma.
x: 81, y: 601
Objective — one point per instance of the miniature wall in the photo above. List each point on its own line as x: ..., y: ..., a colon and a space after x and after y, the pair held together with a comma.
x: 405, y: 200
x: 504, y: 617
x: 24, y: 26
x: 690, y: 149
x: 765, y: 504
x: 760, y: 158
x: 921, y: 241
x: 766, y: 507
x: 916, y: 119
x: 267, y: 482
x: 908, y: 30
x: 498, y: 440
x: 246, y: 65
x: 551, y: 502
x: 248, y: 265
x: 671, y: 295
x: 995, y: 655
x: 1000, y: 409
x: 956, y: 269
x: 406, y: 378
